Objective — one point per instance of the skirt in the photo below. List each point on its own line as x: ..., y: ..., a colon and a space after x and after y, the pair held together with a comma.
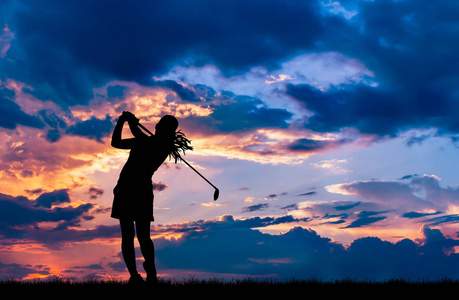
x: 133, y: 201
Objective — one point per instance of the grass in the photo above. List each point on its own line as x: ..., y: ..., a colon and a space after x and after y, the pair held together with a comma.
x: 92, y: 288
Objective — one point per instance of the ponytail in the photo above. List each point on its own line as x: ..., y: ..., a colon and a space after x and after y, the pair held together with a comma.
x: 180, y: 144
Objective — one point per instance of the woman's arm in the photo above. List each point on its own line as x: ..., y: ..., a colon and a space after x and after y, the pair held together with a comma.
x: 135, y: 129
x: 117, y: 142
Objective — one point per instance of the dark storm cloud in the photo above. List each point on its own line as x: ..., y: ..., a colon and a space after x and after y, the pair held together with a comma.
x: 55, y: 123
x: 230, y: 112
x: 410, y: 43
x: 299, y: 253
x: 12, y: 115
x: 56, y: 237
x: 303, y: 254
x: 115, y: 92
x: 65, y: 49
x: 20, y: 218
x: 238, y: 113
x: 247, y: 113
x: 18, y: 212
x: 374, y: 110
x: 105, y: 40
x: 185, y: 93
x: 228, y: 222
x: 48, y: 199
x: 410, y: 46
x: 93, y: 128
x: 365, y: 108
x: 18, y: 271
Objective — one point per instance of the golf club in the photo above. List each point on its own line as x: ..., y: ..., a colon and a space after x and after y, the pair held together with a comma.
x: 216, y: 193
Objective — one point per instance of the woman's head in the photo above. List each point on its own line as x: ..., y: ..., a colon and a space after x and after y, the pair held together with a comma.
x: 166, y: 126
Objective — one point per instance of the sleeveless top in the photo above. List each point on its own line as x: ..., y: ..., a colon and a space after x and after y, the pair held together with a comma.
x: 133, y: 194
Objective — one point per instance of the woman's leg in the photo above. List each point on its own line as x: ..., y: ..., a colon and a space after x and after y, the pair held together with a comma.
x: 147, y: 248
x: 127, y: 245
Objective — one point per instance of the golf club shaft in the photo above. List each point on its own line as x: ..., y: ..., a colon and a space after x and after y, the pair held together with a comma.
x: 197, y: 172
x: 143, y: 127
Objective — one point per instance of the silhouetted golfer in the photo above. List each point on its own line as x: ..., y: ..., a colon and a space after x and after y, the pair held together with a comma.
x: 133, y: 194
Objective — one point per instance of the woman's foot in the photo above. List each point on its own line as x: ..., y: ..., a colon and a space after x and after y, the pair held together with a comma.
x: 136, y: 280
x: 151, y: 273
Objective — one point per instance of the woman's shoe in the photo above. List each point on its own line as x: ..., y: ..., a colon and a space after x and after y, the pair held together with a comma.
x: 136, y: 280
x: 151, y: 273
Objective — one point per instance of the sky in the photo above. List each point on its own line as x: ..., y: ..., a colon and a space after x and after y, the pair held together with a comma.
x: 330, y: 128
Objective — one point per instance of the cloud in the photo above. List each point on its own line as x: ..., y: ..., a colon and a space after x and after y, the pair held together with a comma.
x: 160, y: 186
x: 12, y: 115
x: 92, y: 267
x: 369, y: 109
x: 334, y: 165
x: 309, y: 145
x: 275, y: 196
x: 303, y: 254
x: 389, y: 84
x: 27, y: 159
x: 21, y: 222
x: 451, y: 219
x: 239, y: 114
x: 346, y: 207
x: 415, y: 214
x: 298, y: 253
x: 366, y: 218
x: 404, y: 61
x: 255, y: 207
x: 21, y: 216
x: 47, y: 199
x: 15, y: 271
x: 95, y: 192
x: 249, y: 40
x: 5, y: 40
x: 55, y: 122
x: 251, y: 113
x: 422, y: 192
x: 93, y: 128
x: 418, y: 199
x: 308, y: 194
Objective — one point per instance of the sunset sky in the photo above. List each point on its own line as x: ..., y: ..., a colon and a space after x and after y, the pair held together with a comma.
x: 331, y: 129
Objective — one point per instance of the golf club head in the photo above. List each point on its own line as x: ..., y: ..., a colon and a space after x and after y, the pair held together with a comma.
x: 217, y: 192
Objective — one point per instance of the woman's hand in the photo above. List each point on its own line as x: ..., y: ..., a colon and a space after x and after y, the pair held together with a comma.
x: 133, y: 124
x: 129, y: 117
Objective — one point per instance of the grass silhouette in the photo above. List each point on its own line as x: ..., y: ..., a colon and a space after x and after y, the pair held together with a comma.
x: 216, y: 287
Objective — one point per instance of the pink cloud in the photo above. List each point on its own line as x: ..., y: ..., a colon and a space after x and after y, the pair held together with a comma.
x: 6, y: 37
